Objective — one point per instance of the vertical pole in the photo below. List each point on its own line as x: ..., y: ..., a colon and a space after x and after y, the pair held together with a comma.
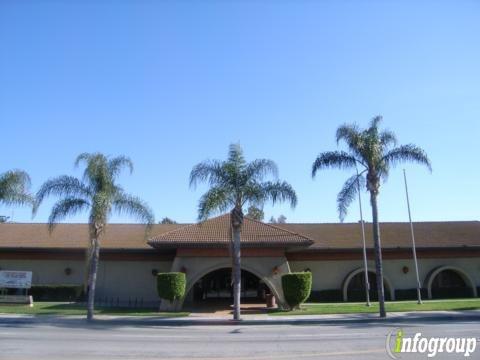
x: 414, y: 250
x: 365, y: 263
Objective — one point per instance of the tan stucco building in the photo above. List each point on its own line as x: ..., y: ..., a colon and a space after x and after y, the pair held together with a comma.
x: 448, y: 253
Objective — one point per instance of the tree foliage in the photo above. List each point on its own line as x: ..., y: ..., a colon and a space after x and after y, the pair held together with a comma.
x: 255, y: 213
x: 373, y: 152
x: 235, y: 183
x: 15, y: 188
x: 97, y: 193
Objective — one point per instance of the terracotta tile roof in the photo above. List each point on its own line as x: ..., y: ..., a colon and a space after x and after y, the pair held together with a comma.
x: 217, y: 232
x: 325, y: 236
x: 393, y: 235
x: 75, y: 236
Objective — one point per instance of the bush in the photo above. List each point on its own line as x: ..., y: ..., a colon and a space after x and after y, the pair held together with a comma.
x: 171, y: 286
x: 55, y: 292
x: 297, y: 288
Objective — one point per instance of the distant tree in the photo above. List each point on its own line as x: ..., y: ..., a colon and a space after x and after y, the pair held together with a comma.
x: 236, y: 183
x: 282, y: 219
x: 255, y: 213
x: 371, y: 154
x: 99, y: 193
x: 167, y: 220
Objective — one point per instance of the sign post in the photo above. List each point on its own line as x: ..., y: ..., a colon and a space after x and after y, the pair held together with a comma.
x: 12, y: 279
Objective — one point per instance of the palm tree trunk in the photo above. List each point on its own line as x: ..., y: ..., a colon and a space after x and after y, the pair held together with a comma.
x: 92, y: 278
x: 236, y: 221
x: 378, y: 254
x: 88, y: 257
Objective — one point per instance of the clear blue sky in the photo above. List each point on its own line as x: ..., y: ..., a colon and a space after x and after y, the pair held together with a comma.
x: 172, y: 83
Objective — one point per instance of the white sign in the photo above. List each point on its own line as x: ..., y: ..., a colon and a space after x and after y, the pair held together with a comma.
x: 15, y: 279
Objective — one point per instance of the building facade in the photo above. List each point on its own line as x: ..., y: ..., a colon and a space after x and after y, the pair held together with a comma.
x: 448, y: 254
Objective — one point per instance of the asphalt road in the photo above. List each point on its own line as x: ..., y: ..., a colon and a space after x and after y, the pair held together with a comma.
x: 79, y: 340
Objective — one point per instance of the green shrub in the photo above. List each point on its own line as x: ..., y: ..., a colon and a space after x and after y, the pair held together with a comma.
x: 409, y: 294
x: 297, y: 288
x: 171, y: 286
x: 55, y: 292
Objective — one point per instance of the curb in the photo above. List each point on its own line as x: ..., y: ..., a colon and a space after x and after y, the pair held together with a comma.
x: 149, y: 321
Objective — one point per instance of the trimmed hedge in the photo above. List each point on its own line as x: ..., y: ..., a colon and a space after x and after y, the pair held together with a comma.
x: 55, y: 292
x: 297, y: 288
x: 410, y: 294
x: 452, y: 293
x: 171, y: 286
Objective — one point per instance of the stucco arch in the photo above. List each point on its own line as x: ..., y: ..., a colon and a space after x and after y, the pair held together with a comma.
x: 431, y: 276
x: 198, y: 267
x: 350, y: 276
x: 199, y: 276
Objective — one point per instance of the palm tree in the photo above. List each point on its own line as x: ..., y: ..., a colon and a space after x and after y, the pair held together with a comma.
x: 14, y: 188
x: 98, y: 193
x: 374, y: 152
x: 234, y: 184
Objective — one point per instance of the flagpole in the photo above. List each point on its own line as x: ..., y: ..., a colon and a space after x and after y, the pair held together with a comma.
x: 419, y: 291
x: 365, y: 263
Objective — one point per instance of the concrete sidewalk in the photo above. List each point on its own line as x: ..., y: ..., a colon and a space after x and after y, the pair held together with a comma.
x: 262, y: 319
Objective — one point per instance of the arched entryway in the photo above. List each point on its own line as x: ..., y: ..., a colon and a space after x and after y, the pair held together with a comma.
x: 450, y: 282
x: 354, y: 286
x: 213, y: 291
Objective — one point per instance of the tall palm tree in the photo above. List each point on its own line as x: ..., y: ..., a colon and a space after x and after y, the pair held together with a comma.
x: 14, y: 188
x: 98, y: 193
x: 234, y: 184
x: 374, y: 152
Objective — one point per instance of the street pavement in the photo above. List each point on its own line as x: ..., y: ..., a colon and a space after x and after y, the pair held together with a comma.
x: 73, y: 338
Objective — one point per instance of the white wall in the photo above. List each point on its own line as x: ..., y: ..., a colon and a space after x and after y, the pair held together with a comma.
x: 130, y: 279
x: 122, y: 279
x: 331, y: 274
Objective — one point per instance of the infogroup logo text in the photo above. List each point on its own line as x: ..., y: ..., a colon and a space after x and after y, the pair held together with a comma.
x: 397, y: 343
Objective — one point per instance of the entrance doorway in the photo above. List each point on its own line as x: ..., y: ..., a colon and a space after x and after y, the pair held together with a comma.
x: 214, y: 292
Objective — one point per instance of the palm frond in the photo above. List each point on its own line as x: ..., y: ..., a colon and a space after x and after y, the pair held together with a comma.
x: 258, y: 169
x: 65, y: 207
x: 333, y: 159
x: 62, y: 186
x: 14, y: 188
x: 116, y: 164
x: 348, y: 193
x: 97, y: 172
x: 375, y: 122
x: 280, y: 191
x: 214, y: 200
x: 235, y: 155
x: 133, y: 206
x: 349, y: 133
x: 210, y: 171
x: 388, y: 138
x: 253, y: 193
x: 406, y: 153
x: 83, y: 157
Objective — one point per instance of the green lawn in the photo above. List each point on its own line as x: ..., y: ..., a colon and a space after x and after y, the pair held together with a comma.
x: 62, y: 308
x: 393, y: 306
